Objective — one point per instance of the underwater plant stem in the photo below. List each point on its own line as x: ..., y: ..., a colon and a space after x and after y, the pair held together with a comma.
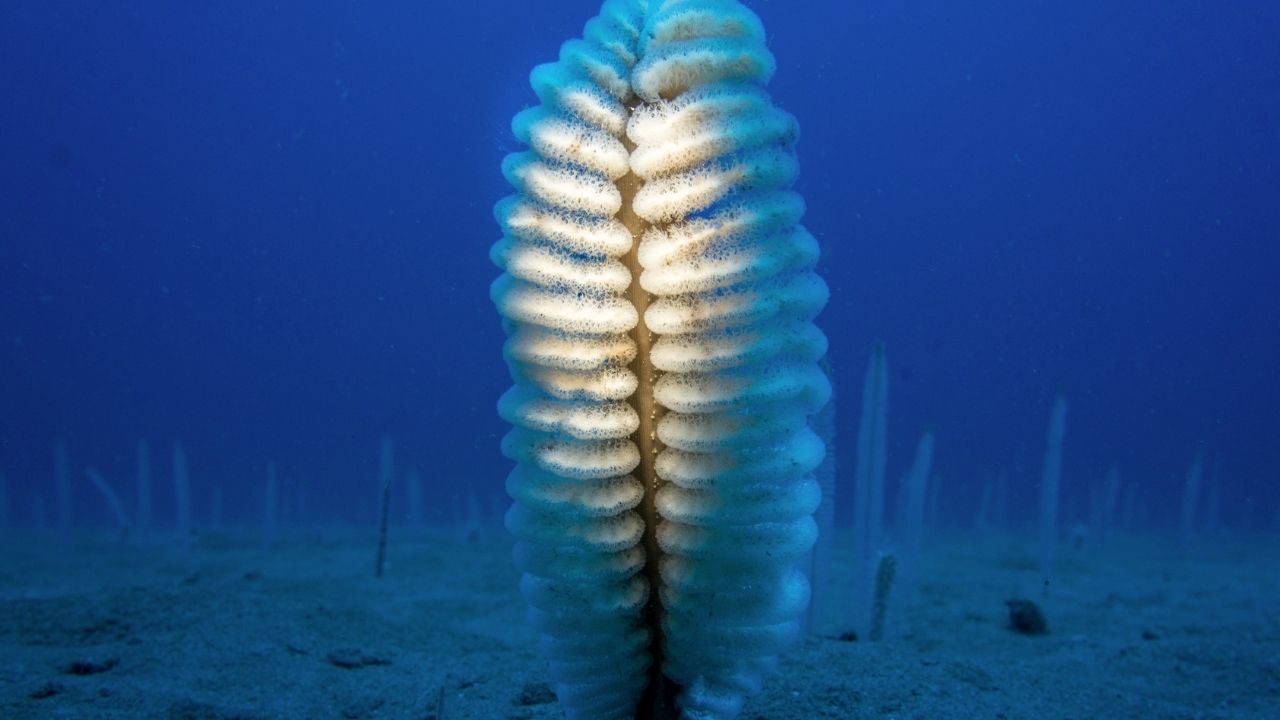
x: 885, y: 571
x: 386, y: 469
x: 658, y: 700
x: 382, y: 528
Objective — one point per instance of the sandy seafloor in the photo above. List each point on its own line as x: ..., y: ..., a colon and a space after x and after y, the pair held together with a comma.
x: 304, y: 630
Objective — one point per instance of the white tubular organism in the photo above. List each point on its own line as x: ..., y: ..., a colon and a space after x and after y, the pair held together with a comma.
x: 658, y: 296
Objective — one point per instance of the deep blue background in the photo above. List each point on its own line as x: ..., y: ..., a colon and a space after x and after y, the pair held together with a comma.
x: 263, y: 229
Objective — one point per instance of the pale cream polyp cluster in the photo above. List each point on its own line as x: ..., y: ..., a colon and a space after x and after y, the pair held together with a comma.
x: 732, y: 294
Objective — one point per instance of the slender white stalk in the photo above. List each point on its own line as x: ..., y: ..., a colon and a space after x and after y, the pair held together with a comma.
x: 5, y: 518
x: 62, y: 485
x: 982, y: 519
x: 143, y: 524
x: 270, y: 507
x: 1110, y: 501
x: 886, y: 569
x: 386, y: 468
x: 113, y: 501
x: 182, y: 496
x: 933, y: 505
x: 1049, y: 482
x: 414, y: 515
x: 868, y: 508
x: 1002, y: 501
x: 917, y: 482
x: 1190, y: 500
x: 215, y: 507
x: 473, y: 527
x: 1212, y: 508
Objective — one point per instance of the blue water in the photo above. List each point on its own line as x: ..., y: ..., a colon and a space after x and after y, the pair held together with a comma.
x: 262, y: 229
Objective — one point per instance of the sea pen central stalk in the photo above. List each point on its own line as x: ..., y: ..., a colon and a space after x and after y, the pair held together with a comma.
x: 658, y: 701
